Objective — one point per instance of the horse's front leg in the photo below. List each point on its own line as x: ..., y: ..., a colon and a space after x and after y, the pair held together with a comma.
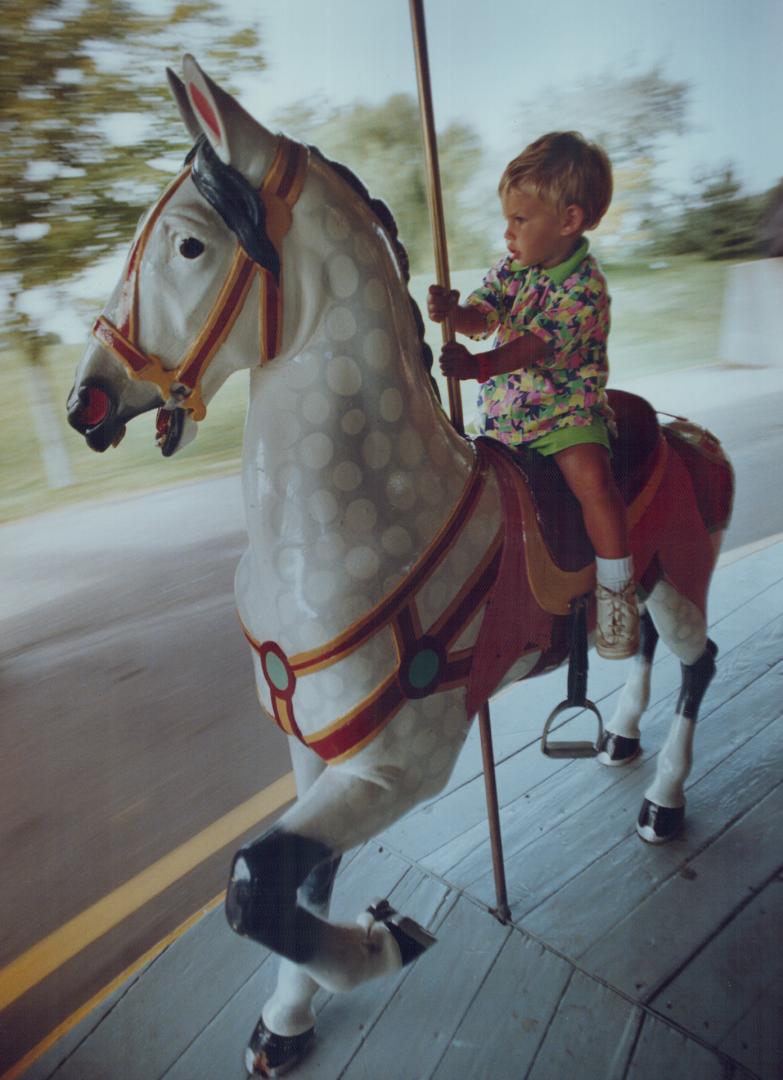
x: 286, y: 1026
x: 682, y: 626
x: 267, y: 895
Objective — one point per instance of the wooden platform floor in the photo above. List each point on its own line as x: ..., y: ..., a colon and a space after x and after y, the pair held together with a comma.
x: 624, y: 962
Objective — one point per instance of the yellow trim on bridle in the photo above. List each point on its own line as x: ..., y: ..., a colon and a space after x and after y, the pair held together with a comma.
x: 279, y: 193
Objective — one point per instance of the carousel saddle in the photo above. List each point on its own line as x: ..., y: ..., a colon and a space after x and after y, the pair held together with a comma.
x: 558, y: 513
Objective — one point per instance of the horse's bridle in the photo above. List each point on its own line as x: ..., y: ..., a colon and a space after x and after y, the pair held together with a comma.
x: 279, y: 192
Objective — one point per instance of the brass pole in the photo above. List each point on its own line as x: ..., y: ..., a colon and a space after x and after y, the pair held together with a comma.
x: 435, y: 199
x: 434, y: 192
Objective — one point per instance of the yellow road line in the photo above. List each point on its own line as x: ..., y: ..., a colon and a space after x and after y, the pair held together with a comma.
x: 23, y: 1064
x: 70, y: 939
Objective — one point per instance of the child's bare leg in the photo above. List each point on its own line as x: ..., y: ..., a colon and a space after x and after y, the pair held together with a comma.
x: 586, y: 470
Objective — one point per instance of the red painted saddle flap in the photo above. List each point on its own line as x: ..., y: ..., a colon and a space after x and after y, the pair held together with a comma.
x: 513, y: 620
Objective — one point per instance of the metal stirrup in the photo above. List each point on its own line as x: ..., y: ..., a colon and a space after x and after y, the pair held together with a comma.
x: 577, y: 691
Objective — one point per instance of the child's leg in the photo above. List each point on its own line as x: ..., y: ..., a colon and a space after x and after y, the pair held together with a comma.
x: 586, y: 470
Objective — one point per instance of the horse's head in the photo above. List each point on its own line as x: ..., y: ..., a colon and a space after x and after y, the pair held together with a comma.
x: 213, y: 238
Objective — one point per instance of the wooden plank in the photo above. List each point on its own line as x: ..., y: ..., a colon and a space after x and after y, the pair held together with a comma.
x: 47, y: 1065
x: 546, y: 863
x: 591, y: 1035
x: 578, y: 915
x: 757, y: 1038
x: 163, y: 1011
x: 663, y: 1051
x: 730, y: 995
x: 678, y: 919
x: 503, y: 1029
x: 422, y: 1017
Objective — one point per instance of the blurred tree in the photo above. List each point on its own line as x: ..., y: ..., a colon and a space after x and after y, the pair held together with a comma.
x: 382, y: 144
x: 84, y: 111
x: 721, y: 223
x: 631, y: 116
x: 771, y: 227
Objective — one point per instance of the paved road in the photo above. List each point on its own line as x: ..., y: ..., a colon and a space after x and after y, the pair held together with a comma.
x: 128, y: 720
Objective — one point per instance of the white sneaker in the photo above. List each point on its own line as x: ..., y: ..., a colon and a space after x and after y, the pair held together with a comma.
x: 617, y: 629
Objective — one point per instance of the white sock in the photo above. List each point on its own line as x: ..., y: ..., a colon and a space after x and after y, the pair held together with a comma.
x: 614, y: 574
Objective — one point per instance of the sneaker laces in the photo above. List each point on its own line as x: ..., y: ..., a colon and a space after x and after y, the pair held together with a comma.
x: 620, y: 609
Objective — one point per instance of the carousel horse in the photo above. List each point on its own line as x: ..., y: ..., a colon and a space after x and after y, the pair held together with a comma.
x: 397, y: 574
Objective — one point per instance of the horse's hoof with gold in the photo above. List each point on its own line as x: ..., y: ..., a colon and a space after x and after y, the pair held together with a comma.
x: 272, y: 1055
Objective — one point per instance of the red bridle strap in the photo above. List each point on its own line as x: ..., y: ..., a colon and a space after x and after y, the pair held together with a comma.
x: 279, y: 192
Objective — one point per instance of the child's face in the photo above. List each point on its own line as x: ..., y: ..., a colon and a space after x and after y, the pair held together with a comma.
x: 536, y: 233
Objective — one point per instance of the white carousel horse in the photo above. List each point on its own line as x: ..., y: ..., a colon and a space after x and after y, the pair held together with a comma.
x: 376, y: 533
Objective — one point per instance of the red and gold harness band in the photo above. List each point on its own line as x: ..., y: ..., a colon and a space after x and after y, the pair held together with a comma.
x: 279, y: 192
x: 426, y: 659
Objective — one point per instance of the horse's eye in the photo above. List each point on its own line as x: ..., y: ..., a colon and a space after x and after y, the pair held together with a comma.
x: 191, y: 248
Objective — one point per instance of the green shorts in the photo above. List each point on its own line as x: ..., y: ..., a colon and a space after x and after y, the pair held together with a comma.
x: 555, y: 441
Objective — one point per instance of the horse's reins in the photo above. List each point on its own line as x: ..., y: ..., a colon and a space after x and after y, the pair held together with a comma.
x: 279, y: 193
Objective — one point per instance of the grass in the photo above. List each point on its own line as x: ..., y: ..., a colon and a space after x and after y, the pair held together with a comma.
x: 663, y: 320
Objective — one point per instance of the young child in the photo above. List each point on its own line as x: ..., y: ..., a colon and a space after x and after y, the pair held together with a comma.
x: 543, y: 383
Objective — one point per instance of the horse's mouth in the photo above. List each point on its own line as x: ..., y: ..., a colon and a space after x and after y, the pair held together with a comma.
x: 168, y: 430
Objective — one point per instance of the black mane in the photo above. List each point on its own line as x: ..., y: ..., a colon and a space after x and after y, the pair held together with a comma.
x: 237, y: 202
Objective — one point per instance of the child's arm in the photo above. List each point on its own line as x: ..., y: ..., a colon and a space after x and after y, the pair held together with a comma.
x: 466, y: 319
x: 526, y: 351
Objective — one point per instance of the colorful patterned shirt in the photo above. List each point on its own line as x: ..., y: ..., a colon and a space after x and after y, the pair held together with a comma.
x: 567, y: 305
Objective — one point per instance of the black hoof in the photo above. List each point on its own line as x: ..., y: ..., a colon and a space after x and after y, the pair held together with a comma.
x: 412, y: 939
x: 618, y: 750
x: 659, y: 824
x: 268, y: 1054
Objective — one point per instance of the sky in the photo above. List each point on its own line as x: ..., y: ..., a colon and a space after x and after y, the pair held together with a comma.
x: 486, y: 59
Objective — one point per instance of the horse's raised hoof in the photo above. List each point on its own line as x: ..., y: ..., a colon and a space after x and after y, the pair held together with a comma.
x: 270, y: 1055
x: 659, y: 824
x: 618, y: 749
x: 411, y: 937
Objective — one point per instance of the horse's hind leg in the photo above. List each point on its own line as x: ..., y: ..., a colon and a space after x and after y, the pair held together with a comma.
x: 621, y: 741
x: 683, y: 628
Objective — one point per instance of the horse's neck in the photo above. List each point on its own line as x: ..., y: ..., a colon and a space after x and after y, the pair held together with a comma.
x: 350, y: 465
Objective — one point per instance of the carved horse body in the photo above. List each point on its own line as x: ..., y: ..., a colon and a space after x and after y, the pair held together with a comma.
x: 395, y: 575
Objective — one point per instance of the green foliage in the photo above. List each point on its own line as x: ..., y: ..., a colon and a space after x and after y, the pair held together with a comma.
x: 382, y: 144
x: 84, y: 110
x: 721, y: 223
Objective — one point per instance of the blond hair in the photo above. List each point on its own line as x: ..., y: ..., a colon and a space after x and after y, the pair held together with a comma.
x: 563, y: 168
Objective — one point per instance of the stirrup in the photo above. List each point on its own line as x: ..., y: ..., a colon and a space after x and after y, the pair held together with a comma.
x: 577, y: 692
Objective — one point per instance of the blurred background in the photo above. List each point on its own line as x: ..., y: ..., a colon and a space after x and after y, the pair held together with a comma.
x: 684, y: 96
x: 128, y: 722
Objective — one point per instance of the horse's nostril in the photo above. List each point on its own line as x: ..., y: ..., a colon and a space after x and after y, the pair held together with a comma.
x: 94, y: 406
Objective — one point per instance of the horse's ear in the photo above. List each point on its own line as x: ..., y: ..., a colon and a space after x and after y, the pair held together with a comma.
x: 180, y: 95
x: 238, y: 139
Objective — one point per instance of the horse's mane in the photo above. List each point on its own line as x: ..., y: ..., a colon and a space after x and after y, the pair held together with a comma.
x: 229, y: 193
x: 384, y: 215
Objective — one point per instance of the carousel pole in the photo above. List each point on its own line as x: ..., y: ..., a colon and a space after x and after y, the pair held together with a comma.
x: 435, y: 199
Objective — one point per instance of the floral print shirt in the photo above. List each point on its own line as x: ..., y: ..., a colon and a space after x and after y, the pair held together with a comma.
x: 567, y: 305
